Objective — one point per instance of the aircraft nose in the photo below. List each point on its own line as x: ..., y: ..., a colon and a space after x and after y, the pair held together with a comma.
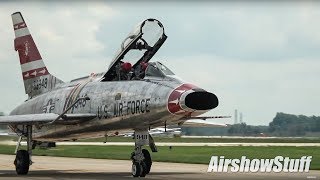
x: 188, y: 98
x: 199, y: 100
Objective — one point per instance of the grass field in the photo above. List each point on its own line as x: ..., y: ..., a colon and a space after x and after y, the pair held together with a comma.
x: 200, y: 140
x: 213, y: 140
x: 199, y: 155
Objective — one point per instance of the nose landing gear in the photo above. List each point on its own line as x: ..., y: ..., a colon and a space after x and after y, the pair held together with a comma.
x: 141, y: 159
x: 141, y: 168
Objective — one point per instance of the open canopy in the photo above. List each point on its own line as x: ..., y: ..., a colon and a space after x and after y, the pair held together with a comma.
x: 140, y: 46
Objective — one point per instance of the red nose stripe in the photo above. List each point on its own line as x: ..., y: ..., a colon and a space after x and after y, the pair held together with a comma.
x: 174, y: 97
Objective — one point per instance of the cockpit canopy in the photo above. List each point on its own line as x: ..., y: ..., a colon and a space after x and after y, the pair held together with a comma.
x: 156, y: 69
x: 140, y: 46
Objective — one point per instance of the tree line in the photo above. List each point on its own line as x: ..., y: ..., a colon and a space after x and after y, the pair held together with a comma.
x: 294, y: 125
x: 2, y: 126
x: 282, y: 125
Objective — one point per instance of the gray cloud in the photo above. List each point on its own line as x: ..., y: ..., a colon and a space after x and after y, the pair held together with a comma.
x: 245, y: 31
x: 258, y: 57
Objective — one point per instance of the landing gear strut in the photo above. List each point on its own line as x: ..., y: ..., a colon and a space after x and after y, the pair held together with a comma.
x: 23, y: 157
x: 141, y: 159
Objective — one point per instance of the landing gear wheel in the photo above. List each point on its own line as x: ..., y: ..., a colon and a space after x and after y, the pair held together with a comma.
x: 22, y: 162
x: 144, y: 169
x: 147, y: 160
x: 136, y: 169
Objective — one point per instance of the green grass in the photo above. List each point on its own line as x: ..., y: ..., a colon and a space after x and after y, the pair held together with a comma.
x: 8, y: 138
x: 212, y: 140
x: 199, y: 155
x: 200, y: 140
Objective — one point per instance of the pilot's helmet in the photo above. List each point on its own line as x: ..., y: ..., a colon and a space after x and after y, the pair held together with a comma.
x: 126, y: 67
x: 144, y: 65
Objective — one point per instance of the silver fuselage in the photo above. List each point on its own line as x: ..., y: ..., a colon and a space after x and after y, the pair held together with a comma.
x: 119, y: 106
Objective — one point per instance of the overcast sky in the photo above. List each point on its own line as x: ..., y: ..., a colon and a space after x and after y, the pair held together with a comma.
x: 260, y: 58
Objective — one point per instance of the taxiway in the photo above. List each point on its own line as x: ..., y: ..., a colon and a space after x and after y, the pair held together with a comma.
x: 13, y: 143
x: 81, y: 168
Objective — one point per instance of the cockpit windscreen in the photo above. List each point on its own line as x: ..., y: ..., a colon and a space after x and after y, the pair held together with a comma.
x: 156, y: 69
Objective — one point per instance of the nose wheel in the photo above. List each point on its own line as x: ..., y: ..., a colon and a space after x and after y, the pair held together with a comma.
x: 141, y: 158
x: 139, y: 169
x: 136, y: 169
x: 147, y: 160
x: 142, y: 168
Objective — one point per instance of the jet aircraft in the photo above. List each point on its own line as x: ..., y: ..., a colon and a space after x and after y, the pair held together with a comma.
x: 132, y: 94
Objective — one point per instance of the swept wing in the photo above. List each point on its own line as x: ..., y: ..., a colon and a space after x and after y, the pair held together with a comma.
x: 45, y: 118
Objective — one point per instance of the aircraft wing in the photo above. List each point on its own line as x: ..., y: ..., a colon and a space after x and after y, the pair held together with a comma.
x: 207, y: 117
x: 202, y: 123
x: 45, y: 118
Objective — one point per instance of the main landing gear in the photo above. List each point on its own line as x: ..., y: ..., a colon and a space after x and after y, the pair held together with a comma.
x: 23, y: 157
x: 141, y: 159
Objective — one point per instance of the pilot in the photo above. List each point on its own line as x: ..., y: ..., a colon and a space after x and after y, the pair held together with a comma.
x: 144, y: 66
x: 125, y: 71
x: 141, y: 71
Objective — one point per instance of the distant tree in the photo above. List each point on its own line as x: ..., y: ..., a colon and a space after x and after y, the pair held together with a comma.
x: 293, y: 125
x: 245, y: 130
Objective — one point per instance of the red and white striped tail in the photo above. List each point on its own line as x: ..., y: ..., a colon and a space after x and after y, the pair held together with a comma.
x: 36, y: 77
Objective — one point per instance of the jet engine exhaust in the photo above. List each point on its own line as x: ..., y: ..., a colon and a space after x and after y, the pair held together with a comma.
x: 201, y: 100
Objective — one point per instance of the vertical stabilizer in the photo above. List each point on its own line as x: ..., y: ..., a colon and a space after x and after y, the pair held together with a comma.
x: 36, y: 77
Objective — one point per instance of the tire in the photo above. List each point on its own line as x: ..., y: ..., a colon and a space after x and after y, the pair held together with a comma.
x: 144, y: 168
x: 147, y: 160
x: 22, y: 162
x: 136, y: 169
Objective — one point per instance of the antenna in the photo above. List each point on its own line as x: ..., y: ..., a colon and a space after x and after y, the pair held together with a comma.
x: 236, y: 116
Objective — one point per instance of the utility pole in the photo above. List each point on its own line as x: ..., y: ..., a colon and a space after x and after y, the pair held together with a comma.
x: 236, y: 116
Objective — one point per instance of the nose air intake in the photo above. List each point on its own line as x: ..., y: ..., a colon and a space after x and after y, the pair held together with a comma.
x: 201, y: 100
x: 188, y: 99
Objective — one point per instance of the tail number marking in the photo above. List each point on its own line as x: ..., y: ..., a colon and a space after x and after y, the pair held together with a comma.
x: 40, y: 84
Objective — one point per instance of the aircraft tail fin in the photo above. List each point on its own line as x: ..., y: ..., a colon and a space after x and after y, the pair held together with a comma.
x: 36, y: 77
